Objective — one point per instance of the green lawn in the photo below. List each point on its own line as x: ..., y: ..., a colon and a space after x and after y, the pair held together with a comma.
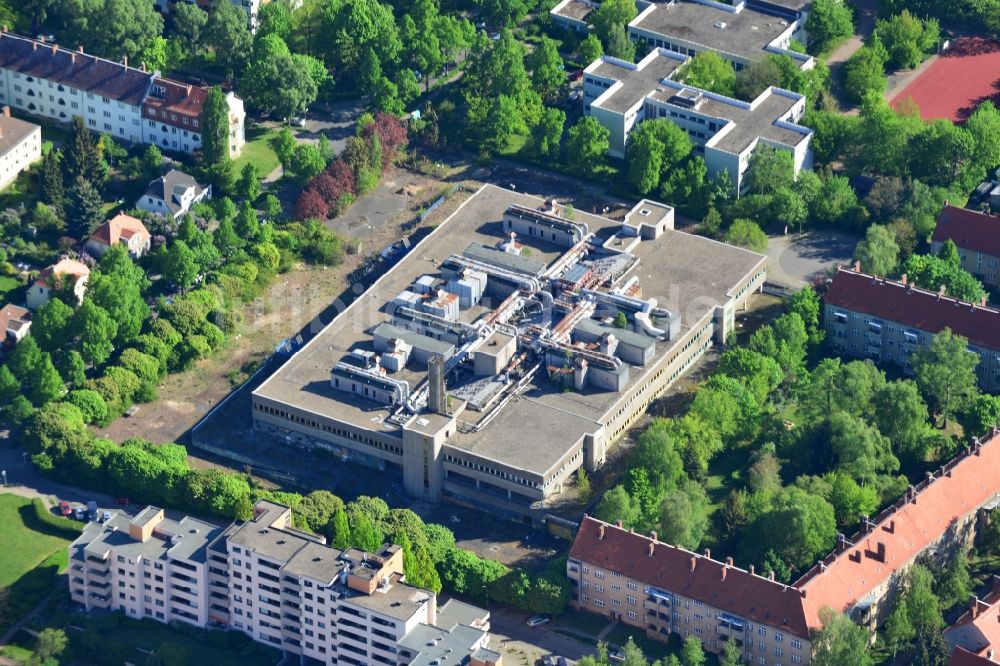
x: 258, y: 150
x: 198, y: 651
x: 7, y: 285
x: 31, y: 556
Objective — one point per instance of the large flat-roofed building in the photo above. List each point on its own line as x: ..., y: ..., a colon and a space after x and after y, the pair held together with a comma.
x: 490, y: 363
x: 741, y: 33
x: 724, y: 130
x: 280, y: 586
x: 886, y: 321
x: 977, y: 236
x: 664, y: 589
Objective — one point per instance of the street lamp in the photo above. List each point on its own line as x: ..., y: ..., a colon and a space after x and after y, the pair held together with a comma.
x: 3, y: 473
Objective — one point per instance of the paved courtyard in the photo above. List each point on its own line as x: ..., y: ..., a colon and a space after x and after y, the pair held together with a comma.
x: 795, y: 260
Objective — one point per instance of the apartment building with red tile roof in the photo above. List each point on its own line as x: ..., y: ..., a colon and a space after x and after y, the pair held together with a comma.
x: 665, y: 589
x: 977, y: 632
x: 884, y: 320
x: 977, y: 236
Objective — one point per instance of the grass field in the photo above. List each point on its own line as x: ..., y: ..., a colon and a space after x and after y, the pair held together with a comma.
x: 259, y: 151
x: 30, y: 558
x: 7, y: 285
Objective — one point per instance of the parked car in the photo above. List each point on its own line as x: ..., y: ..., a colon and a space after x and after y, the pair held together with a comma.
x: 536, y: 620
x: 92, y: 510
x: 123, y: 501
x: 576, y: 76
x: 106, y: 516
x: 64, y: 508
x: 297, y: 121
x: 80, y: 513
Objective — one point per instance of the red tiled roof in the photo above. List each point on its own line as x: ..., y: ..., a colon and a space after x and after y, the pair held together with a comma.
x: 969, y: 229
x: 178, y: 100
x: 119, y: 227
x: 914, y: 307
x: 64, y: 266
x: 962, y: 657
x: 737, y: 591
x: 978, y: 629
x: 903, y: 531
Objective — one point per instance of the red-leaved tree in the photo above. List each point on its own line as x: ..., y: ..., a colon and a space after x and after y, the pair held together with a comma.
x: 391, y: 134
x: 311, y: 206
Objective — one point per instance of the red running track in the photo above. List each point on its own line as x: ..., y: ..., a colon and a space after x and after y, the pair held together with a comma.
x: 965, y: 75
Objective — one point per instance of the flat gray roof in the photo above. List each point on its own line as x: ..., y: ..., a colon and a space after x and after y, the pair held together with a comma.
x: 416, y: 339
x: 190, y: 538
x: 578, y: 10
x: 316, y: 561
x: 745, y: 33
x: 624, y: 335
x: 636, y: 83
x: 397, y: 600
x: 758, y: 122
x: 689, y: 275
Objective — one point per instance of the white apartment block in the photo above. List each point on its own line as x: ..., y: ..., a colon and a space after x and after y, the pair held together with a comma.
x: 740, y: 33
x: 279, y: 585
x: 127, y: 103
x: 20, y: 146
x: 725, y: 131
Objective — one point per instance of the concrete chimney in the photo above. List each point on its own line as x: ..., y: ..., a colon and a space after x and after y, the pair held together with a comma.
x: 751, y: 570
x: 857, y: 266
x: 694, y: 563
x: 55, y: 49
x: 653, y: 535
x: 600, y: 533
x: 125, y: 61
x: 973, y: 606
x: 708, y: 553
x: 724, y: 571
x: 437, y: 398
x: 80, y: 48
x: 652, y: 547
x: 903, y: 278
x: 770, y: 576
x: 6, y: 111
x: 618, y: 523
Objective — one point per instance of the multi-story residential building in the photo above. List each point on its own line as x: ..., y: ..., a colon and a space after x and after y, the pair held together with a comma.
x: 516, y: 311
x: 884, y: 320
x: 123, y: 229
x: 741, y: 33
x: 279, y: 585
x: 173, y: 194
x: 57, y: 276
x: 725, y: 131
x: 251, y: 7
x: 664, y: 589
x: 975, y: 636
x: 977, y: 236
x: 128, y: 103
x: 20, y: 146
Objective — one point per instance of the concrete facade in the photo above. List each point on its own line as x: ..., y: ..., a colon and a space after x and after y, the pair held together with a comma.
x: 20, y: 146
x: 280, y: 586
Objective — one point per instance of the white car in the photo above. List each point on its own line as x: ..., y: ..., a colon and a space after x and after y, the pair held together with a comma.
x: 297, y: 121
x: 536, y: 620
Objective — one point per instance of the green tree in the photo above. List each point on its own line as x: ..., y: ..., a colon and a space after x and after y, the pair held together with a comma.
x: 748, y: 234
x: 731, y: 654
x: 770, y: 169
x: 921, y: 602
x: 116, y: 28
x: 684, y: 516
x: 932, y: 649
x: 977, y: 418
x: 81, y: 156
x: 84, y: 209
x: 548, y: 73
x: 799, y: 527
x: 91, y: 405
x: 215, y: 116
x: 340, y: 530
x: 123, y: 301
x: 708, y: 70
x: 984, y: 126
x: 274, y: 18
x: 901, y: 415
x: 692, y: 654
x: 357, y: 25
x: 96, y: 331
x: 612, y: 15
x: 904, y: 39
x: 50, y: 644
x: 590, y: 49
x: 249, y: 183
x: 829, y: 23
x: 955, y: 586
x: 619, y: 45
x: 940, y: 152
x: 284, y: 148
x: 806, y: 303
x: 546, y: 136
x: 46, y: 385
x: 840, y: 641
x: 178, y: 264
x: 587, y: 145
x: 365, y: 534
x: 946, y: 373
x: 307, y: 163
x: 933, y: 272
x: 50, y: 325
x: 72, y: 368
x: 188, y: 22
x: 228, y: 34
x: 864, y: 73
x: 617, y: 505
x: 898, y: 631
x: 878, y: 251
x: 50, y: 180
x: 654, y: 148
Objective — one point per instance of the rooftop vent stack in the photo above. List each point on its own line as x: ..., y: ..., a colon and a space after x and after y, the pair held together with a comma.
x: 437, y: 399
x: 694, y: 563
x: 903, y: 278
x: 618, y: 523
x: 973, y: 606
x: 770, y: 576
x: 652, y: 547
x: 708, y: 553
x: 654, y: 536
x: 857, y: 266
x: 55, y: 49
x: 751, y: 570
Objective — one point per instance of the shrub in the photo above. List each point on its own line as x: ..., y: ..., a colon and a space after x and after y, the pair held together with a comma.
x: 65, y: 527
x: 91, y: 405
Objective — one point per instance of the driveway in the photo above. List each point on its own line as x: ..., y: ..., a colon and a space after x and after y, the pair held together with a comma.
x: 796, y: 260
x: 510, y: 635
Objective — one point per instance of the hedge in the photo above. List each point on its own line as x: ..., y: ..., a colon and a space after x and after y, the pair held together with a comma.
x: 65, y: 527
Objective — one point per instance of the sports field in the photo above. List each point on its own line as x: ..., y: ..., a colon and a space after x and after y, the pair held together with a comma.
x: 965, y: 75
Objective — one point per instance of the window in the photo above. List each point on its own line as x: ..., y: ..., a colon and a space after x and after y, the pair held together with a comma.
x: 778, y: 637
x: 797, y: 644
x: 599, y: 603
x: 762, y: 631
x: 796, y: 659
